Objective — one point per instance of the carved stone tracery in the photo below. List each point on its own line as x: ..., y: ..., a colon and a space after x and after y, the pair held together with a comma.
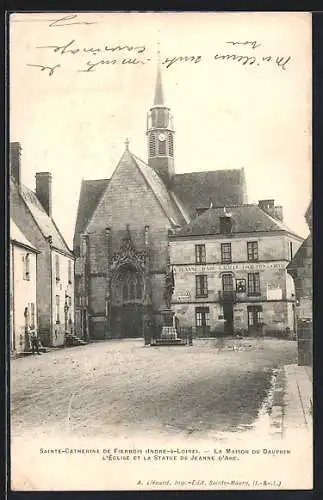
x: 125, y: 258
x: 128, y: 254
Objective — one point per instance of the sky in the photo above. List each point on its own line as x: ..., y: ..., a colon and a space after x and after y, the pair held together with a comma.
x: 72, y: 108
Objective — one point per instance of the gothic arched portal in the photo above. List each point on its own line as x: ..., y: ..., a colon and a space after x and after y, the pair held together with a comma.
x: 127, y: 291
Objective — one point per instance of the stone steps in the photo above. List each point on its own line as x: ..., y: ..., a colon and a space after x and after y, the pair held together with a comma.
x: 73, y: 340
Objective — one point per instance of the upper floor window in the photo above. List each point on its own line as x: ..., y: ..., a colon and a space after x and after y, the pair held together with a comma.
x: 26, y: 266
x: 226, y: 256
x: 252, y: 251
x: 57, y: 268
x: 253, y: 284
x: 225, y: 225
x: 200, y: 255
x: 227, y: 282
x: 69, y: 272
x: 170, y: 144
x: 152, y: 144
x: 201, y: 286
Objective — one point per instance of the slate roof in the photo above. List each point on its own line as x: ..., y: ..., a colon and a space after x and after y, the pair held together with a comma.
x: 219, y: 187
x: 17, y: 236
x: 189, y: 192
x: 45, y: 223
x: 164, y: 197
x: 90, y: 195
x: 246, y: 219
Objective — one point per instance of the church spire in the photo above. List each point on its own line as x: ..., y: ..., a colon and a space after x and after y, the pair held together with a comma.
x: 160, y: 132
x: 159, y: 93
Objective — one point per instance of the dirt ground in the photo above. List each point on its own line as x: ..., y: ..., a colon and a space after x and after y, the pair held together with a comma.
x: 121, y: 387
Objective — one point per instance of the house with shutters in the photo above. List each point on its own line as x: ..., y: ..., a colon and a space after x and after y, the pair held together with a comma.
x: 31, y: 213
x: 23, y: 290
x: 121, y: 233
x: 230, y: 275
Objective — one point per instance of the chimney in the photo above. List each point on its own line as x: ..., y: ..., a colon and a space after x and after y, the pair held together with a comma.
x: 15, y: 163
x: 269, y: 207
x: 44, y: 190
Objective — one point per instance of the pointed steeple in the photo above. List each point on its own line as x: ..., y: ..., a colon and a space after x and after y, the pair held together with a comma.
x: 160, y: 132
x: 159, y: 93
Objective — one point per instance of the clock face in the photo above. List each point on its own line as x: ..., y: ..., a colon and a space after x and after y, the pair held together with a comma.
x: 162, y: 137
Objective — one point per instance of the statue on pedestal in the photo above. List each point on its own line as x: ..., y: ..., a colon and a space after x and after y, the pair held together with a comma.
x: 169, y: 288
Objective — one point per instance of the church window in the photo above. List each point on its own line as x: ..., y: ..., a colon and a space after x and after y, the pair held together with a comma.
x: 125, y: 291
x: 132, y: 287
x: 57, y: 268
x: 152, y: 144
x: 170, y: 144
x: 138, y: 291
x: 161, y: 147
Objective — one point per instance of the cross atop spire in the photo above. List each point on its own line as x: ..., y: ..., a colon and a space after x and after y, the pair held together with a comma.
x: 159, y: 94
x: 127, y: 142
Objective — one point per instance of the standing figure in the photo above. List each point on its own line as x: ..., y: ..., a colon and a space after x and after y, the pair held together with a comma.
x: 34, y: 342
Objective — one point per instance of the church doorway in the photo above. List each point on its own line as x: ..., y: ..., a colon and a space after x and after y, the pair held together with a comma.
x: 127, y: 306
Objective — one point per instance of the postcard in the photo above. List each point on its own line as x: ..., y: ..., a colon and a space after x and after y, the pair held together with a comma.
x: 160, y: 251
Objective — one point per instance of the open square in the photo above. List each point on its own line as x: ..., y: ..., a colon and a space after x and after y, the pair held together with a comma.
x: 118, y: 388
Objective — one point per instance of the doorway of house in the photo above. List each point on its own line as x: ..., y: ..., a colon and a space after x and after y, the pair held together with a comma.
x: 202, y: 321
x: 228, y: 316
x: 228, y: 297
x: 255, y: 320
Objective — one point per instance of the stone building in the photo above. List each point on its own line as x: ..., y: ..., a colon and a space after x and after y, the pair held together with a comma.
x: 23, y: 290
x: 121, y: 233
x: 230, y: 275
x: 300, y: 268
x: 31, y: 212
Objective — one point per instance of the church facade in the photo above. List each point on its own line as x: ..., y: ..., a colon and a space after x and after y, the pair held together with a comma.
x: 121, y: 239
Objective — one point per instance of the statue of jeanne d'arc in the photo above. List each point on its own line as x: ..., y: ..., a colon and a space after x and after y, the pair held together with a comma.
x: 169, y: 287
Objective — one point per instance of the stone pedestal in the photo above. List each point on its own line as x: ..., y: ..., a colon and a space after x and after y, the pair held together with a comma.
x: 168, y: 325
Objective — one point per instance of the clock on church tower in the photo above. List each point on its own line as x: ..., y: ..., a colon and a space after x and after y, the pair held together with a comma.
x: 160, y: 134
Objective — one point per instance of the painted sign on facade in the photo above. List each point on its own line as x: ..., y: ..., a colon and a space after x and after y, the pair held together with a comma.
x: 240, y: 266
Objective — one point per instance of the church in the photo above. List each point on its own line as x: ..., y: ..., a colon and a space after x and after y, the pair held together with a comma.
x: 121, y: 239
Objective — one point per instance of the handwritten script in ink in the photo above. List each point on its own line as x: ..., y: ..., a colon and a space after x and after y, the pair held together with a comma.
x: 90, y: 59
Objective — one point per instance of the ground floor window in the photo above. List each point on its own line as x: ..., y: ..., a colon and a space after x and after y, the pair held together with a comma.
x: 255, y: 316
x: 202, y: 317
